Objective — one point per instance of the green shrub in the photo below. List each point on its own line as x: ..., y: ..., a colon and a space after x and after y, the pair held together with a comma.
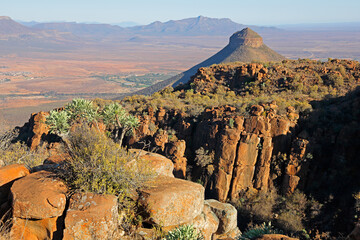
x: 258, y: 231
x: 185, y: 232
x: 58, y: 122
x: 336, y: 80
x: 81, y: 110
x: 231, y: 122
x: 291, y: 212
x: 123, y: 122
x: 204, y: 157
x: 99, y: 165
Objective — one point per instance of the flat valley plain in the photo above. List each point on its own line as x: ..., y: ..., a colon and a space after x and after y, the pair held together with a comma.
x: 42, y: 78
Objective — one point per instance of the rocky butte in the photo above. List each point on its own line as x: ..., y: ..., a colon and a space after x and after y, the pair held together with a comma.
x: 244, y: 46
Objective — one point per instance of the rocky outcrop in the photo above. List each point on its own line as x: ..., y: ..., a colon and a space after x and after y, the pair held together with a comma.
x: 42, y: 208
x: 8, y: 175
x: 227, y: 216
x: 38, y: 200
x: 176, y: 151
x: 171, y: 201
x: 243, y: 146
x: 91, y: 216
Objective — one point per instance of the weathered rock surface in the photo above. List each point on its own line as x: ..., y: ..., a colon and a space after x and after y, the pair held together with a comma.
x: 91, y: 216
x: 159, y: 164
x: 175, y: 151
x: 8, y: 174
x: 275, y: 237
x: 243, y: 174
x: 171, y: 201
x: 38, y: 196
x: 29, y: 229
x: 227, y: 152
x: 39, y: 127
x: 227, y: 215
x: 207, y: 222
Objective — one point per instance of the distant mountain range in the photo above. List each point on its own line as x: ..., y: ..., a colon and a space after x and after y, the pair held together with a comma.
x: 199, y: 26
x: 13, y: 33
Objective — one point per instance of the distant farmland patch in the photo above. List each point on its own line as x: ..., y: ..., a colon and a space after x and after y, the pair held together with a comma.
x: 135, y: 81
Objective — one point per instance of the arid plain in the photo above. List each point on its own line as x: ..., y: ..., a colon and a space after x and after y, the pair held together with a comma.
x: 34, y: 78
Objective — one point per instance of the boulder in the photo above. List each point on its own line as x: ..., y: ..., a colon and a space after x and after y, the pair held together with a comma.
x: 175, y: 151
x: 171, y: 201
x: 38, y: 196
x: 207, y: 222
x: 43, y: 229
x: 160, y: 139
x: 91, y: 216
x: 275, y: 237
x: 227, y: 215
x: 12, y: 172
x: 7, y: 176
x: 159, y: 164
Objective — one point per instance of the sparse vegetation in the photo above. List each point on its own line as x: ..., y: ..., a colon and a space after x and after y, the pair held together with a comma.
x: 185, y: 232
x: 289, y: 83
x: 20, y: 153
x: 99, y: 165
x: 258, y: 231
x: 83, y: 111
x: 121, y: 121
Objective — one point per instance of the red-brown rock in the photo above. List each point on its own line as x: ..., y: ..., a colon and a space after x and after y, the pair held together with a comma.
x: 91, y: 216
x: 159, y: 164
x: 256, y: 110
x: 175, y: 151
x: 227, y: 154
x: 12, y: 172
x: 7, y: 175
x: 39, y: 127
x: 227, y: 215
x: 30, y: 229
x: 38, y: 196
x: 275, y: 237
x: 245, y: 164
x: 207, y: 222
x: 172, y: 201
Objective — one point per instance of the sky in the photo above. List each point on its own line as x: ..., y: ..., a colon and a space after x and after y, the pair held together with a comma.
x: 258, y: 12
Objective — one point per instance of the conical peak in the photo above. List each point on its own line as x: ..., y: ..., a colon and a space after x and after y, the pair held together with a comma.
x: 5, y: 18
x: 246, y: 37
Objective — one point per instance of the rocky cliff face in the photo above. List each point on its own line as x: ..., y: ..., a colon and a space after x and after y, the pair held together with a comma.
x: 243, y: 146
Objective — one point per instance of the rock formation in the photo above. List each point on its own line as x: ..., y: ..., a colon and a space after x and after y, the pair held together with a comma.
x: 244, y: 46
x: 42, y: 207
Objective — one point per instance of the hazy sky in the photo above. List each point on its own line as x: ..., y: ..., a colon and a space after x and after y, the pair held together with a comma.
x: 262, y: 12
